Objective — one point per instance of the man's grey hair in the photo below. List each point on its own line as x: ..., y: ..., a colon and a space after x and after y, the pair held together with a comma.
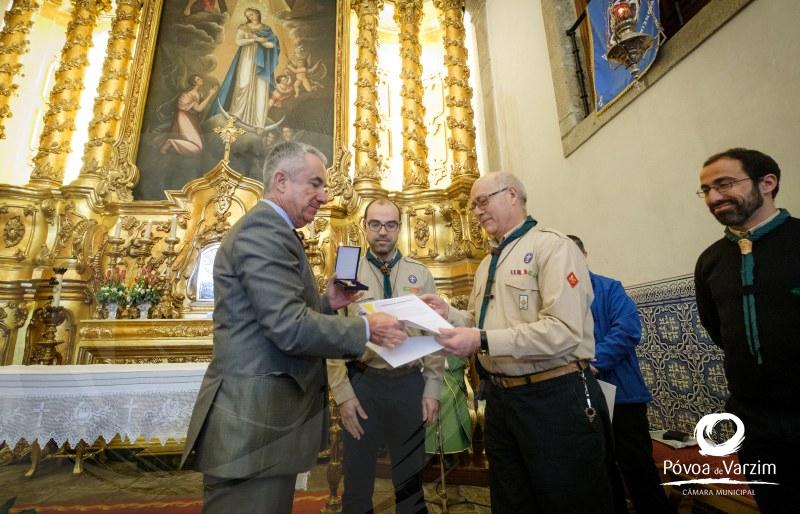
x: 505, y: 179
x: 289, y: 157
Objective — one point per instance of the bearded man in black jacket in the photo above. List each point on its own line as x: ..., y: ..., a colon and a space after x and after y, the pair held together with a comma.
x: 748, y: 299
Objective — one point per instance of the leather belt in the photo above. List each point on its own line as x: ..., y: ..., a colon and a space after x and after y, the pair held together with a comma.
x: 384, y: 372
x: 507, y: 382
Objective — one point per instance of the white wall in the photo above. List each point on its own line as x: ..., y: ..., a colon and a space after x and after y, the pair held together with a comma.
x: 629, y: 190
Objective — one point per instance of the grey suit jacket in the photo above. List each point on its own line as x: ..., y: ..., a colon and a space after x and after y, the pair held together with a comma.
x: 262, y: 406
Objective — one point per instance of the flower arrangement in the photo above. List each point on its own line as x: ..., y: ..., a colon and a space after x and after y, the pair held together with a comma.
x: 144, y: 289
x: 112, y: 288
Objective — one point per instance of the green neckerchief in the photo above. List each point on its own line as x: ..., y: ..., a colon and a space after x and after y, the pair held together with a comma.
x: 745, y: 243
x: 487, y: 292
x: 386, y: 269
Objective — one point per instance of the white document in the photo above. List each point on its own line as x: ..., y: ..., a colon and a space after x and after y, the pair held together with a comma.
x: 409, y: 350
x: 301, y: 482
x: 610, y: 392
x: 410, y: 309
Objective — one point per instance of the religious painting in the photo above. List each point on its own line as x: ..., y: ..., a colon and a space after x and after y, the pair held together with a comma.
x: 267, y: 65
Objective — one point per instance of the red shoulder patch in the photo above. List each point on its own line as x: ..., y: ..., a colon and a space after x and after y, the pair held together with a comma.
x: 572, y: 279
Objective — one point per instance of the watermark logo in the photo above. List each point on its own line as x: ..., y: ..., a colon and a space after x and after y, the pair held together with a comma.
x: 719, y: 470
x: 704, y: 429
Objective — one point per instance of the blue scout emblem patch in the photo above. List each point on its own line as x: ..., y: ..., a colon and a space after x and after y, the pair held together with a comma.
x: 528, y: 257
x: 412, y: 279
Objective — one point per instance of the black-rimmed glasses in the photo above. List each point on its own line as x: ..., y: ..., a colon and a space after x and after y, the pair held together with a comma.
x: 390, y: 226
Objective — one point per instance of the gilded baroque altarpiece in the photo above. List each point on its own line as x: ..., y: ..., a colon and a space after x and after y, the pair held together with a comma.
x: 173, y: 161
x: 112, y: 217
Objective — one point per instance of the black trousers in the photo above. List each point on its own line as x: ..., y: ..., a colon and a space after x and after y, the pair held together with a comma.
x: 545, y: 454
x: 394, y: 409
x: 634, y: 451
x: 771, y: 451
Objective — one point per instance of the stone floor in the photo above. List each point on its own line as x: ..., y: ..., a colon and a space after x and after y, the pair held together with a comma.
x: 125, y: 478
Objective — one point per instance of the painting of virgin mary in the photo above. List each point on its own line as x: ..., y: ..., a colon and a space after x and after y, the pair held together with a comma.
x: 250, y: 80
x: 219, y: 64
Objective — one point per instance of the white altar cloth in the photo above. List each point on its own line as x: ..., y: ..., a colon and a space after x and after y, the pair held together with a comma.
x: 84, y: 402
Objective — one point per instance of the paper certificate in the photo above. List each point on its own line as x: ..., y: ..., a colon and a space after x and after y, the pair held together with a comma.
x: 411, y: 309
x: 415, y: 313
x: 410, y: 350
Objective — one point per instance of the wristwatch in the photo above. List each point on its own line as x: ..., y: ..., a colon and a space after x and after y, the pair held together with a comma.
x: 484, y: 343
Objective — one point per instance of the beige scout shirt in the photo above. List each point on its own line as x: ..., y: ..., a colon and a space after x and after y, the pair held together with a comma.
x: 540, y: 314
x: 408, y: 277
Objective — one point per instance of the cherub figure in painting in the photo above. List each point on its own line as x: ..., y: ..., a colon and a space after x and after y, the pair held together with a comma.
x: 283, y: 91
x: 304, y: 72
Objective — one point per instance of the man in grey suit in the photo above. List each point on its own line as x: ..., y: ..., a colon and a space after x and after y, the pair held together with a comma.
x: 261, y: 415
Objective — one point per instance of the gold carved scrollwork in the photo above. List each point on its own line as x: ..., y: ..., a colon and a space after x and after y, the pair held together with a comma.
x: 354, y: 235
x: 421, y: 233
x: 223, y: 199
x: 13, y: 44
x: 18, y: 219
x: 476, y: 233
x: 43, y: 257
x: 54, y: 144
x: 175, y: 331
x: 20, y: 311
x: 315, y: 242
x: 408, y: 15
x: 72, y: 227
x: 49, y: 210
x: 120, y: 176
x: 456, y: 249
x: 339, y: 184
x: 460, y: 115
x: 13, y: 231
x: 367, y: 161
x: 460, y: 301
x: 422, y: 223
x: 95, y: 333
x: 149, y: 360
x: 225, y: 190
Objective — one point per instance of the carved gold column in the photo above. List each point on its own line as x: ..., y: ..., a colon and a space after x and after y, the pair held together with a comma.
x: 108, y: 105
x: 59, y: 120
x: 366, y: 144
x: 13, y: 44
x: 408, y: 15
x: 460, y: 115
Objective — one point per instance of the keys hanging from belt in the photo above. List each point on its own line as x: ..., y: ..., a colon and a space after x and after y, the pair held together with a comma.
x: 590, y: 411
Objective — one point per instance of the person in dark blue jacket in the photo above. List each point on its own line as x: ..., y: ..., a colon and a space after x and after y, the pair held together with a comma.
x: 617, y: 331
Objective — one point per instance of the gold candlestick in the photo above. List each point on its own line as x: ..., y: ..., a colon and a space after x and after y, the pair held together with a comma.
x: 334, y: 469
x: 165, y: 308
x: 45, y: 349
x: 116, y: 251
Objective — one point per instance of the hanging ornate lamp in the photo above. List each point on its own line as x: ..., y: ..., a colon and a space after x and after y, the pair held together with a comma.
x: 625, y: 45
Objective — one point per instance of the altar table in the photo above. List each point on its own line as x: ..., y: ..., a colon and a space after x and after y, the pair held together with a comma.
x: 70, y: 404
